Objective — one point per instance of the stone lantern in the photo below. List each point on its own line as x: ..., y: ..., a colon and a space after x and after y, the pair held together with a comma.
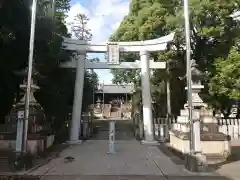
x: 36, y: 114
x: 197, y: 77
x: 196, y: 139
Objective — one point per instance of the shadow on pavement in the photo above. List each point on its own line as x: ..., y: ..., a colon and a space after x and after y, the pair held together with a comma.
x: 235, y: 156
x: 176, y: 157
x: 179, y: 159
x: 43, y: 158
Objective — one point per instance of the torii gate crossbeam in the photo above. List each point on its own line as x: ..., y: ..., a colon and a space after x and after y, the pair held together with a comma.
x: 159, y: 44
x: 122, y: 65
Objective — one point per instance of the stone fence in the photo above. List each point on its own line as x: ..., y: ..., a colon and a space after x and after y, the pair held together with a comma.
x: 227, y: 126
x: 230, y: 127
x: 162, y: 126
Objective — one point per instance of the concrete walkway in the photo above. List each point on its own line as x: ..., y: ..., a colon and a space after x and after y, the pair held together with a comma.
x: 131, y: 161
x: 230, y: 170
x: 91, y: 158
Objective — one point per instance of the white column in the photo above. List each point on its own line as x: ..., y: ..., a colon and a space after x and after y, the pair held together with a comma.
x: 146, y: 97
x: 111, y: 148
x: 196, y: 136
x: 169, y: 109
x: 78, y: 96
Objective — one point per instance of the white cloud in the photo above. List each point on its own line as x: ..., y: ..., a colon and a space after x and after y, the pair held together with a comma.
x: 105, y: 17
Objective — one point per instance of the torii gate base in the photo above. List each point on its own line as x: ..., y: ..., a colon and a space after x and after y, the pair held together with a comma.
x: 139, y: 46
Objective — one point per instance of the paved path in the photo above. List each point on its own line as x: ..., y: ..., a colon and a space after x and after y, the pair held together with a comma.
x: 131, y: 161
x: 230, y: 170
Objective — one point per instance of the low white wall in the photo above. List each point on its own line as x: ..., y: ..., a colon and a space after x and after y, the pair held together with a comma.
x: 231, y: 130
x: 207, y: 147
x: 230, y: 127
x: 33, y: 146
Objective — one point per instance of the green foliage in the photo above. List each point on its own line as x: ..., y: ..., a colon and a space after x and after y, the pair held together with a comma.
x: 213, y: 33
x: 226, y: 79
x: 14, y: 31
x: 57, y: 84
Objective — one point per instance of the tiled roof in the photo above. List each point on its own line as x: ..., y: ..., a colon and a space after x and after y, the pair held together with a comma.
x: 116, y: 89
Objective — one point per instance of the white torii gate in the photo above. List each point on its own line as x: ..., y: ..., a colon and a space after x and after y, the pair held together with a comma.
x: 81, y: 46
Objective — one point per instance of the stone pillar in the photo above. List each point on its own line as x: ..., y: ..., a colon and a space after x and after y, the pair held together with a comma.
x: 78, y: 96
x: 146, y: 97
x: 196, y: 132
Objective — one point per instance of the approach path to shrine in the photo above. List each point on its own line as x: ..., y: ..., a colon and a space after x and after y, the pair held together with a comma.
x: 132, y: 160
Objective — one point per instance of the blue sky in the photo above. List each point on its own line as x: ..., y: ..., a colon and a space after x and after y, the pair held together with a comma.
x: 105, y: 17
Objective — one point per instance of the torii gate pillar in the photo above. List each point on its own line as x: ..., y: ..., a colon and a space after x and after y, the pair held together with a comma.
x: 146, y: 98
x: 78, y: 97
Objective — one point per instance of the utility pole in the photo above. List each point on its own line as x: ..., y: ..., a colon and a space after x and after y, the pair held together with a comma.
x: 93, y: 92
x: 29, y: 77
x: 23, y: 116
x: 103, y: 96
x: 169, y: 109
x: 189, y: 73
x: 30, y: 66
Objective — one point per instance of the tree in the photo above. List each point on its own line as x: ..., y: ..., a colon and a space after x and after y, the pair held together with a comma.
x: 81, y: 32
x: 146, y: 20
x: 57, y: 84
x: 225, y: 83
x: 226, y: 79
x: 80, y: 29
x: 213, y: 33
x: 14, y: 31
x: 48, y: 55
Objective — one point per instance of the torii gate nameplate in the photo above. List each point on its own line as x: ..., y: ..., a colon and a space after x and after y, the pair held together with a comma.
x: 113, y: 53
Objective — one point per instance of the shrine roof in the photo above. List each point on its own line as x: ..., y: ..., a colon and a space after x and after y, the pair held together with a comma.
x: 116, y: 89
